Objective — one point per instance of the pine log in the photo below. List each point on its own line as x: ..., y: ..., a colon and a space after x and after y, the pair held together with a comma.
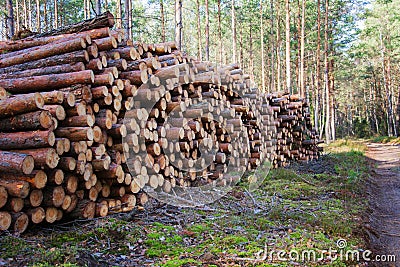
x: 20, y: 222
x: 36, y: 215
x: 3, y: 196
x: 20, y: 104
x: 44, y: 51
x: 16, y: 188
x: 75, y: 133
x: 35, y: 198
x: 5, y: 220
x: 38, y: 178
x: 47, y: 82
x: 44, y: 157
x: 39, y: 41
x: 63, y: 68
x: 14, y: 204
x: 16, y: 162
x: 53, y: 196
x: 104, y: 20
x: 25, y: 140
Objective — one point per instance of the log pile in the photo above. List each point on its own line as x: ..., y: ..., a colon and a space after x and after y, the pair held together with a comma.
x: 88, y: 120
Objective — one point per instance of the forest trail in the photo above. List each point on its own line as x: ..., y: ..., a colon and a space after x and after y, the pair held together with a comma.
x: 384, y: 217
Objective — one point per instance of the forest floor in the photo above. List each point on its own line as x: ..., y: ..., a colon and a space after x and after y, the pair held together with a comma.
x: 384, y: 191
x: 304, y: 208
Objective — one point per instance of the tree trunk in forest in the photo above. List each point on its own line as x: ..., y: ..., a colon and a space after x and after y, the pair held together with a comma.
x: 298, y: 46
x: 207, y: 32
x: 30, y: 15
x: 130, y: 3
x: 85, y: 12
x: 178, y: 23
x: 233, y: 25
x: 38, y: 16
x: 119, y: 14
x: 273, y: 49
x: 219, y: 33
x: 55, y: 14
x: 251, y: 54
x: 318, y: 70
x: 162, y: 20
x: 98, y: 7
x: 199, y: 47
x: 241, y: 53
x: 127, y: 16
x: 17, y: 15
x: 10, y: 19
x: 332, y: 99
x: 398, y: 115
x: 326, y: 75
x: 262, y: 47
x: 302, y: 37
x: 278, y: 51
x: 25, y: 14
x: 287, y: 29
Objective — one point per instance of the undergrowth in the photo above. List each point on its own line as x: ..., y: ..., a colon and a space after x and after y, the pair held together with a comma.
x: 293, y: 210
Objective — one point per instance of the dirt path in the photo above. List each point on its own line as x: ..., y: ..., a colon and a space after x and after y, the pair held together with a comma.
x: 384, y: 191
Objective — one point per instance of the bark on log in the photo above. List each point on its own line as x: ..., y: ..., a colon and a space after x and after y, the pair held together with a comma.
x: 47, y: 82
x: 38, y: 120
x: 8, y: 46
x: 44, y: 51
x: 44, y: 157
x: 16, y: 162
x: 16, y: 188
x: 68, y: 58
x: 20, y: 104
x: 104, y: 20
x: 25, y: 140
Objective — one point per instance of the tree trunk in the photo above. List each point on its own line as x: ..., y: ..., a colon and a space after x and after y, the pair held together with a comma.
x: 10, y: 19
x: 207, y: 32
x: 262, y: 47
x: 178, y: 23
x: 287, y: 30
x: 318, y: 69
x: 30, y: 15
x: 273, y: 49
x: 38, y: 15
x: 127, y: 16
x: 219, y: 33
x: 119, y: 14
x: 326, y: 75
x: 251, y: 55
x: 302, y: 75
x: 25, y: 14
x: 233, y: 19
x: 162, y: 21
x: 98, y: 8
x: 199, y: 47
x: 278, y: 52
x: 55, y: 14
x: 17, y: 15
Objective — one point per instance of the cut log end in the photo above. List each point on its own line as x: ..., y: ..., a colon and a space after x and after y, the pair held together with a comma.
x: 28, y: 164
x: 5, y: 220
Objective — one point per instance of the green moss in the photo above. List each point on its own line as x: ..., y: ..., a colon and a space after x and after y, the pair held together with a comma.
x: 181, y: 262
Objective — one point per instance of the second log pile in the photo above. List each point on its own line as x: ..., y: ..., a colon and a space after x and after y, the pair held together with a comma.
x: 87, y: 120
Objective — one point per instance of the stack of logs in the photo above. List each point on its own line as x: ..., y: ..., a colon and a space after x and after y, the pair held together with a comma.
x: 87, y: 120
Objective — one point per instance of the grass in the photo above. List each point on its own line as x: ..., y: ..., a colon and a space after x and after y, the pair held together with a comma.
x: 292, y: 210
x: 386, y: 140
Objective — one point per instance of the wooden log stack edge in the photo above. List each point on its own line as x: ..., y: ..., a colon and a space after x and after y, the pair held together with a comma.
x: 74, y: 101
